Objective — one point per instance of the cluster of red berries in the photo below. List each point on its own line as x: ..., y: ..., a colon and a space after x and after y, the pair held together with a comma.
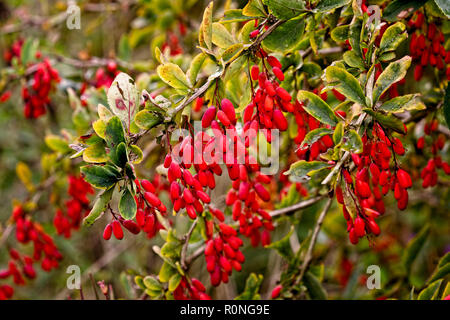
x: 427, y: 46
x: 147, y: 202
x: 306, y: 123
x: 44, y: 250
x: 77, y: 206
x: 270, y: 100
x: 36, y: 97
x: 188, y: 191
x: 190, y: 290
x: 222, y: 254
x: 245, y: 205
x: 243, y: 170
x: 15, y: 51
x: 105, y: 77
x: 172, y: 43
x: 429, y: 173
x: 373, y: 172
x: 42, y: 80
x: 27, y: 230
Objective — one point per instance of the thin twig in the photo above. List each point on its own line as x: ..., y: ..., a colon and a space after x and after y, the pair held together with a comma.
x: 295, y: 207
x: 186, y: 239
x: 308, y: 257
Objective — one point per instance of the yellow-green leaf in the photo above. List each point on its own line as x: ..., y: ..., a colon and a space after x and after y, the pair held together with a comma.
x: 394, y: 72
x: 345, y: 83
x: 172, y: 74
x: 318, y: 108
x: 221, y: 37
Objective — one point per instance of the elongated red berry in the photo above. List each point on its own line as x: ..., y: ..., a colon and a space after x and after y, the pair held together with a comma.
x: 359, y: 227
x: 363, y: 188
x: 152, y: 199
x: 228, y: 108
x: 274, y: 62
x: 283, y: 94
x: 278, y: 73
x: 117, y: 230
x: 147, y: 185
x: 280, y: 120
x: 262, y: 192
x: 276, y: 291
x: 404, y: 179
x: 208, y: 117
x: 223, y: 118
x: 107, y: 232
x: 254, y: 72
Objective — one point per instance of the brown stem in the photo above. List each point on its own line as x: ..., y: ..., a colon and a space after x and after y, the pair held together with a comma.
x: 308, y: 257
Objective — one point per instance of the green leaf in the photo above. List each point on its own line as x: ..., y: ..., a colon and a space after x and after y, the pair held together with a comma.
x: 402, y: 103
x: 440, y: 273
x: 338, y: 133
x: 444, y: 260
x: 99, y: 127
x: 119, y: 155
x: 95, y: 153
x: 394, y: 8
x: 314, y: 136
x: 254, y: 8
x: 251, y: 288
x: 446, y: 106
x: 392, y: 37
x: 114, y: 134
x: 345, y: 83
x: 328, y: 5
x: 318, y: 108
x: 205, y: 33
x: 152, y: 283
x: 315, y: 289
x: 147, y: 119
x: 57, y: 144
x: 302, y: 168
x: 127, y: 205
x: 172, y: 74
x: 414, y: 247
x: 195, y: 67
x: 221, y: 37
x: 387, y: 120
x: 232, y: 52
x: 171, y: 249
x: 431, y: 292
x: 283, y: 246
x: 340, y: 33
x: 354, y: 35
x: 285, y: 9
x: 99, y: 207
x: 123, y: 98
x: 136, y: 154
x: 166, y: 272
x: 388, y: 56
x: 352, y: 142
x: 28, y: 51
x: 353, y: 59
x: 101, y: 177
x: 444, y: 5
x: 394, y: 72
x: 285, y: 37
x: 174, y: 282
x: 312, y: 69
x: 235, y: 15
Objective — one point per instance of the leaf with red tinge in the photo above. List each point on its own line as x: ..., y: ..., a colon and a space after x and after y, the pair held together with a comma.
x: 123, y: 98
